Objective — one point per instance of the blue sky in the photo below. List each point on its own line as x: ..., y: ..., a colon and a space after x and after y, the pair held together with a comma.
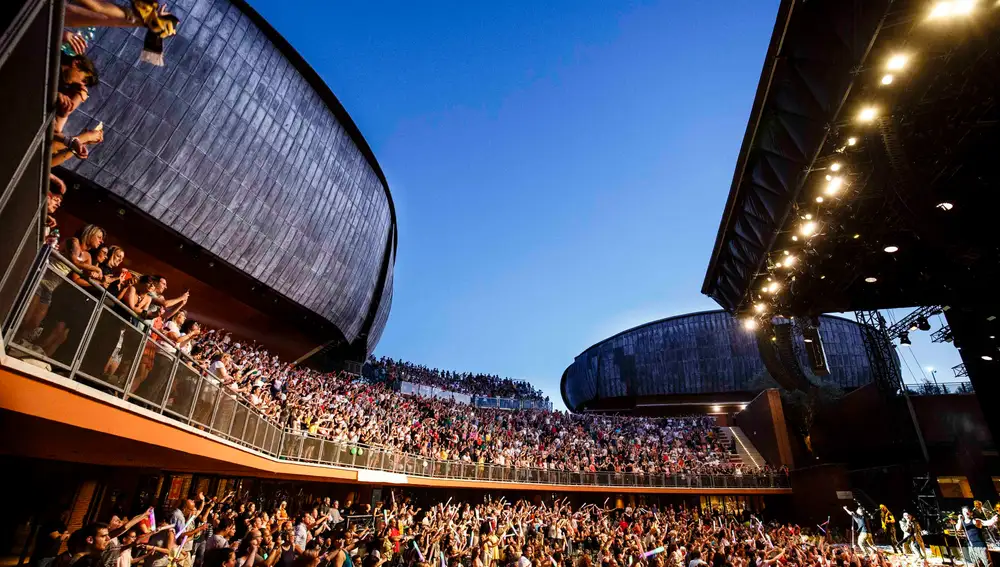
x: 559, y: 168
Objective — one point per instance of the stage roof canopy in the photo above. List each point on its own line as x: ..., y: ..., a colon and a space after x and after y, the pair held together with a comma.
x: 868, y: 176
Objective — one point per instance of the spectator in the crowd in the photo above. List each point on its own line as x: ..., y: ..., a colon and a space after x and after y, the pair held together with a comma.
x: 94, y: 539
x: 51, y: 536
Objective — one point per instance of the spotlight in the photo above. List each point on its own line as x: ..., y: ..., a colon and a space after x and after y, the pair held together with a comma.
x: 891, y: 249
x: 871, y: 279
x: 787, y: 253
x: 923, y: 324
x: 834, y: 185
x: 759, y: 307
x: 773, y: 288
x: 945, y: 206
x: 897, y: 62
x: 857, y: 236
x: 950, y: 8
x: 809, y: 216
x: 868, y: 114
x: 835, y: 167
x: 887, y: 79
x: 743, y: 407
x: 795, y: 238
x: 829, y: 177
x: 987, y: 358
x: 904, y: 339
x: 852, y: 141
x: 750, y: 323
x: 716, y: 408
x: 808, y: 229
x: 790, y: 261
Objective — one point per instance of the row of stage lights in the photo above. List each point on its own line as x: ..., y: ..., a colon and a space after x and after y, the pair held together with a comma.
x: 836, y: 181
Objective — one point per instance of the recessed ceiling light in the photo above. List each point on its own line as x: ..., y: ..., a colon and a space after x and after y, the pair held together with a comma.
x: 897, y: 62
x: 868, y: 114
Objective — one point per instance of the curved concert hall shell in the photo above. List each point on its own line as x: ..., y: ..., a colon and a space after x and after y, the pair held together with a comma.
x: 698, y: 356
x: 238, y: 145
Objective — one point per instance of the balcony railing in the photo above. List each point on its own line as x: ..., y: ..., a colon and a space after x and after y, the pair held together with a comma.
x: 87, y: 335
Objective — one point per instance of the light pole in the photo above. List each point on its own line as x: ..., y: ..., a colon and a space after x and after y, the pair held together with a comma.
x: 933, y: 372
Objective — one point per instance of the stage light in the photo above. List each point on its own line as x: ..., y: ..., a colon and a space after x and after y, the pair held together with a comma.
x: 891, y: 249
x: 787, y: 253
x: 923, y: 324
x: 904, y: 339
x: 750, y: 323
x: 790, y: 261
x: 795, y: 238
x: 913, y: 326
x: 834, y: 185
x: 716, y: 408
x: 808, y: 229
x: 950, y: 8
x: 964, y: 7
x: 945, y: 206
x: 809, y: 216
x: 829, y: 177
x: 930, y: 369
x: 851, y: 141
x: 743, y: 407
x: 897, y: 62
x: 887, y: 79
x: 774, y: 287
x: 759, y: 307
x: 835, y: 167
x: 987, y: 358
x: 871, y: 279
x: 857, y: 236
x: 868, y: 114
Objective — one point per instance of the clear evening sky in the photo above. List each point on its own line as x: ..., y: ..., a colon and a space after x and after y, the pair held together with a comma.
x: 559, y: 168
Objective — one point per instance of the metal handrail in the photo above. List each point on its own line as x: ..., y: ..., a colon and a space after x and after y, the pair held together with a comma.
x: 174, y: 385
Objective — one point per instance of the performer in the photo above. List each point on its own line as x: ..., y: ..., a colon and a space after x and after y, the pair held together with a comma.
x: 911, y: 534
x: 861, y: 527
x: 889, y: 526
x: 972, y: 527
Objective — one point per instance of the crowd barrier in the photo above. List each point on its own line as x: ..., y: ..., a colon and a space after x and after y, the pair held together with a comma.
x: 103, y: 345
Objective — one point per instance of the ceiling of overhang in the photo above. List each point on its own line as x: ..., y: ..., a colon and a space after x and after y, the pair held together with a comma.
x: 808, y: 73
x: 934, y: 141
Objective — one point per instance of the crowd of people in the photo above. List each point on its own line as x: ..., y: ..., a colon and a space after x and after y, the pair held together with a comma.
x: 348, y: 409
x: 493, y: 533
x: 485, y: 385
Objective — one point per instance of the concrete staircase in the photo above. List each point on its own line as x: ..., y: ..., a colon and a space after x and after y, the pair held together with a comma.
x: 746, y: 453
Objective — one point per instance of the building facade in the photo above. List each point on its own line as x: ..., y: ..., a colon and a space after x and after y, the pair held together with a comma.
x: 697, y: 354
x: 238, y: 145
